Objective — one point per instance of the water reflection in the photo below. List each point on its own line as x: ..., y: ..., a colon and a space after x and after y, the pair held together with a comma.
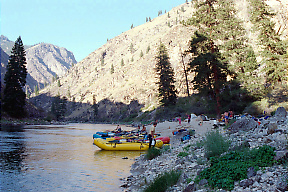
x: 61, y: 158
x: 12, y: 148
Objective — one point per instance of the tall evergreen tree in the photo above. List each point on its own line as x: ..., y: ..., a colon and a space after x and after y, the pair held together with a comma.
x: 95, y: 108
x: 273, y: 49
x: 15, y: 80
x: 166, y: 87
x: 210, y: 72
x: 218, y: 26
x: 58, y: 107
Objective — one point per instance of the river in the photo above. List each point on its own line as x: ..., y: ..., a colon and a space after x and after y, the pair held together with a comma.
x: 60, y: 158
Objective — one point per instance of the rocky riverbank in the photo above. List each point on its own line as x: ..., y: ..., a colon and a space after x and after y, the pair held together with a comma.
x: 245, y: 131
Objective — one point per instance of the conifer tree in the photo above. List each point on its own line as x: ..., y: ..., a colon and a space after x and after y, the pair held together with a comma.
x: 112, y: 69
x: 58, y: 107
x: 15, y: 80
x: 217, y: 23
x: 122, y: 62
x: 95, y: 107
x: 36, y: 90
x: 148, y: 49
x: 210, y: 71
x: 273, y: 49
x: 165, y: 73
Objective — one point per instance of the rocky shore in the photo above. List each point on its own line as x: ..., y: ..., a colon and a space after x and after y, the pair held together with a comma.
x: 245, y: 131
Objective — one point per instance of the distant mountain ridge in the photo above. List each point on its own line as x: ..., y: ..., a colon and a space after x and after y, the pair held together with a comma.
x: 43, y: 62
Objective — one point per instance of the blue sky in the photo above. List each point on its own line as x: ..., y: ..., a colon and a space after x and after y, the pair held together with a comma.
x: 81, y: 26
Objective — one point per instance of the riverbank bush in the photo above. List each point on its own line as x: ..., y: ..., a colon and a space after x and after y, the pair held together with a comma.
x: 215, y: 144
x: 152, y: 153
x: 233, y: 166
x: 164, y: 181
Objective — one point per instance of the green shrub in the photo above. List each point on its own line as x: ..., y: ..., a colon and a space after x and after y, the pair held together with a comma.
x: 233, y: 166
x: 215, y: 144
x: 152, y: 153
x: 186, y: 148
x: 182, y: 154
x: 165, y: 148
x: 230, y: 123
x: 164, y: 181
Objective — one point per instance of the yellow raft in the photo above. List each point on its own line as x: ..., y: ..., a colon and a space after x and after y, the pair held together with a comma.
x: 124, y: 146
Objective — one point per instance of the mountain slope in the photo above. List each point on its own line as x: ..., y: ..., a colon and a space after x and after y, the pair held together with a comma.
x: 46, y: 60
x: 43, y: 62
x: 135, y: 80
x: 4, y: 62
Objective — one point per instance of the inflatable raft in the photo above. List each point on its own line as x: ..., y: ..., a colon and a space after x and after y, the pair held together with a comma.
x: 120, y: 145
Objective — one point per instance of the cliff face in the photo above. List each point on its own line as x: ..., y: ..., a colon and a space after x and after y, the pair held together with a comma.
x: 43, y: 62
x: 46, y: 60
x: 133, y: 78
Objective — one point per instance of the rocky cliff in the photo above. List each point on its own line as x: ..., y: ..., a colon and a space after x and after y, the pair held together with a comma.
x: 46, y: 60
x: 122, y: 70
x: 43, y: 62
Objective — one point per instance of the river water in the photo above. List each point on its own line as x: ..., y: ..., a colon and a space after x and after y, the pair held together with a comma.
x: 60, y: 158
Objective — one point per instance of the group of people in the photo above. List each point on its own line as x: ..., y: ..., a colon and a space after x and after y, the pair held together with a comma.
x: 226, y: 116
x: 143, y: 131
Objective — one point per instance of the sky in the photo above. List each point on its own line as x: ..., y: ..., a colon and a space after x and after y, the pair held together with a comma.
x: 81, y: 26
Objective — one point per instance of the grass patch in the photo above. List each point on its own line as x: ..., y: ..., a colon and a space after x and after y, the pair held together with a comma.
x: 165, y: 148
x: 152, y: 153
x: 186, y: 148
x: 164, y: 181
x: 233, y: 166
x: 183, y: 154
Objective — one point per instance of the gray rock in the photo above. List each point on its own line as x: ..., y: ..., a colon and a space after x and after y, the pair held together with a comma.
x: 272, y: 127
x: 246, y: 183
x: 244, y: 124
x: 203, y: 182
x: 281, y: 112
x: 282, y: 185
x: 251, y: 172
x: 190, y: 187
x: 281, y: 156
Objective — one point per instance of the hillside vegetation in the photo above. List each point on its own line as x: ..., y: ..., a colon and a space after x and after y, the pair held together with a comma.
x: 120, y: 76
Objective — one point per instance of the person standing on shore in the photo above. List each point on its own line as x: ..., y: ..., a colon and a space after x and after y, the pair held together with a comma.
x: 151, y: 133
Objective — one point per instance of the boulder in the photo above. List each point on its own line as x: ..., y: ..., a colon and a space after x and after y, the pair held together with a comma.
x: 251, y: 172
x: 190, y: 187
x: 272, y: 127
x: 281, y: 156
x: 244, y: 124
x: 281, y: 112
x: 246, y: 183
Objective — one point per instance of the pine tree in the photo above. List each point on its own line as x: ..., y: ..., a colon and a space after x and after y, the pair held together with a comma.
x: 122, y: 62
x: 141, y: 53
x: 36, y: 90
x: 58, y: 107
x: 210, y: 72
x: 273, y: 49
x: 112, y: 69
x: 148, y: 49
x: 217, y: 23
x: 165, y: 73
x: 95, y: 107
x: 15, y: 80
